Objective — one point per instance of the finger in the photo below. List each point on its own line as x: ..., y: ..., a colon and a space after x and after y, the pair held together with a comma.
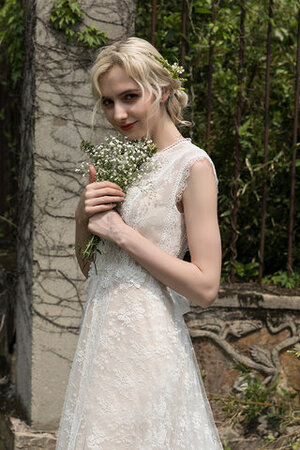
x: 92, y: 174
x: 104, y: 192
x: 102, y: 200
x: 106, y: 184
x: 94, y: 187
x: 90, y: 211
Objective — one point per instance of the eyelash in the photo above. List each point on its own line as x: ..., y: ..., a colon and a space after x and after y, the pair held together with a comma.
x: 131, y: 97
x: 128, y: 98
x: 106, y: 102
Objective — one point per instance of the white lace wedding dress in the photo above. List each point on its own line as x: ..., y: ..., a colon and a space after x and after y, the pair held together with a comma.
x: 135, y: 383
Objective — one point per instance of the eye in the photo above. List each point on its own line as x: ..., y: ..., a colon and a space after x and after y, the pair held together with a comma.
x: 106, y: 102
x: 130, y: 97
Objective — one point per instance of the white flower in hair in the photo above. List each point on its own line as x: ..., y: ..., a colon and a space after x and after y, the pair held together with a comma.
x: 175, y: 69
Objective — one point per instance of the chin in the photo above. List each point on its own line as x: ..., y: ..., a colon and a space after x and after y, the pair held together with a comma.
x: 133, y: 136
x: 137, y: 132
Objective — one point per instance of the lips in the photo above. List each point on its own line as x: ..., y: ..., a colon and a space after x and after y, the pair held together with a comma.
x: 127, y: 126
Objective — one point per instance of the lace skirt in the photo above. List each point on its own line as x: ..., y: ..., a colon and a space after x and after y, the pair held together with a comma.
x: 134, y: 382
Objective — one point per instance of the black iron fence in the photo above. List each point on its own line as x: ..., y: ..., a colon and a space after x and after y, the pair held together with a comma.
x: 205, y: 34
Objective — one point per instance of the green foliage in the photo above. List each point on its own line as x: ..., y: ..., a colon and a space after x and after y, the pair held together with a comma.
x: 224, y: 36
x: 12, y: 55
x: 12, y: 28
x: 9, y: 217
x: 295, y: 352
x: 256, y: 402
x: 92, y: 37
x: 244, y: 272
x: 283, y: 279
x: 225, y: 444
x: 65, y: 15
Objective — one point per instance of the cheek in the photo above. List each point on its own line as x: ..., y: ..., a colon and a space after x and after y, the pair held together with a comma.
x: 108, y: 114
x: 142, y: 111
x: 142, y: 107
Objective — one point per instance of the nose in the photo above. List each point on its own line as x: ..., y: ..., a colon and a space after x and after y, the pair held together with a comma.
x: 120, y: 112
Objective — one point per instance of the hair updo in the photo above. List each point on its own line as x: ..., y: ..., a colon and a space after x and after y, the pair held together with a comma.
x: 134, y: 55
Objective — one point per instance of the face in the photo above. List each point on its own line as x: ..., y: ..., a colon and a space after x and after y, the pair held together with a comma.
x: 124, y: 106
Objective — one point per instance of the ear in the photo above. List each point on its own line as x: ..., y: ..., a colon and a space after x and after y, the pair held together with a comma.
x: 165, y: 93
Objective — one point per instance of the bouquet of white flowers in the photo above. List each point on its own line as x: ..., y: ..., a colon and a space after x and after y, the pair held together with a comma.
x: 119, y: 161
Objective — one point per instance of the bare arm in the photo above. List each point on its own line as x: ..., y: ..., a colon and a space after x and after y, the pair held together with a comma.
x: 199, y: 279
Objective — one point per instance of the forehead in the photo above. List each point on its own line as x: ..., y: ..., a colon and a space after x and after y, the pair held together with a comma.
x: 116, y: 81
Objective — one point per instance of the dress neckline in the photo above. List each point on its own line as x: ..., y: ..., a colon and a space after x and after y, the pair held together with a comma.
x: 179, y: 141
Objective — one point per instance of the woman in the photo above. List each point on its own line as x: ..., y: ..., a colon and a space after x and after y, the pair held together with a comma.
x: 134, y: 382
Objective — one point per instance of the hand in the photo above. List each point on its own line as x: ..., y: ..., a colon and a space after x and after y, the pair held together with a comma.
x: 107, y: 225
x: 97, y: 197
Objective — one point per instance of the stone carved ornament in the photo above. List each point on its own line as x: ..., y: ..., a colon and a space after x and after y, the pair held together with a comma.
x: 264, y: 360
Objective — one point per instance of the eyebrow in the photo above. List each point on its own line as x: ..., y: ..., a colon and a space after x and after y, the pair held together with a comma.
x: 128, y: 91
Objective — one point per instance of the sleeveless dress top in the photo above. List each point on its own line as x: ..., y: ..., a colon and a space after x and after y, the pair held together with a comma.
x: 135, y: 383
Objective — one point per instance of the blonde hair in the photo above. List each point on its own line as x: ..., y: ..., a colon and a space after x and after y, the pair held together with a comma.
x: 134, y: 55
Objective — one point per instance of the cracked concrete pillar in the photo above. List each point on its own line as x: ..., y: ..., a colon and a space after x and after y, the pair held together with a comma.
x: 56, y: 108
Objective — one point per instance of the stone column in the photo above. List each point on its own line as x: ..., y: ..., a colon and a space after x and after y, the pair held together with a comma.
x: 57, y: 109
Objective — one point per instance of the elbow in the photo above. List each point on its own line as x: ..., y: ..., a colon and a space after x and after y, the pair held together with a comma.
x: 210, y: 298
x: 205, y: 286
x: 205, y: 297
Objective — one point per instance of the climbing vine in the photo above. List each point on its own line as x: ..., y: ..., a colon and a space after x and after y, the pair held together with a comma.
x: 64, y: 17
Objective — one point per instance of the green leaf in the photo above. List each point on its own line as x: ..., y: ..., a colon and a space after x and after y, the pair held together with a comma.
x: 200, y: 10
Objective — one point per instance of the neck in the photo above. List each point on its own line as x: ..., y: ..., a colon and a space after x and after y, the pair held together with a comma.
x: 165, y: 133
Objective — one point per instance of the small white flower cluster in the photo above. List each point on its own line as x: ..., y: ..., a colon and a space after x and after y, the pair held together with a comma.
x: 117, y: 160
x: 176, y: 70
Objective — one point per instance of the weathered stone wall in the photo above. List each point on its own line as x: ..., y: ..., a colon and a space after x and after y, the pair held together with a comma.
x: 248, y: 327
x: 57, y: 109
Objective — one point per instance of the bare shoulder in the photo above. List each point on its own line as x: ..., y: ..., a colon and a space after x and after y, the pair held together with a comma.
x: 201, y: 167
x: 201, y: 178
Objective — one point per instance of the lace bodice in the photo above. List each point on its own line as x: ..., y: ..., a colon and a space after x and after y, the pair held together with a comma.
x: 150, y: 204
x: 135, y: 383
x: 150, y: 207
